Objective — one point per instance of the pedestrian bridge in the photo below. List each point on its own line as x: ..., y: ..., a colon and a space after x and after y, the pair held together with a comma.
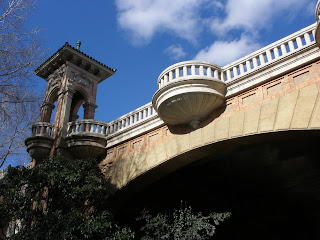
x: 270, y: 94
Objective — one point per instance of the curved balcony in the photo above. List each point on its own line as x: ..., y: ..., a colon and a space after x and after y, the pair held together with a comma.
x: 188, y: 92
x: 86, y: 138
x: 40, y: 143
x: 317, y: 32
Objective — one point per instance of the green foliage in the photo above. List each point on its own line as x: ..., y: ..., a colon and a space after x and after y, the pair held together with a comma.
x: 59, y: 199
x: 62, y: 199
x: 185, y: 225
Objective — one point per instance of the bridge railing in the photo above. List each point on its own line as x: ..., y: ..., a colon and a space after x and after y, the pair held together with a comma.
x: 269, y: 54
x: 261, y: 59
x: 132, y: 118
x: 87, y: 126
x: 188, y: 69
x: 43, y: 129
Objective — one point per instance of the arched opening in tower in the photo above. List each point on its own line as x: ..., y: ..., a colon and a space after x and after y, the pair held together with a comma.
x: 77, y: 110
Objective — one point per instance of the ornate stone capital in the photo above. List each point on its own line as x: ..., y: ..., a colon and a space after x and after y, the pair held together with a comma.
x: 89, y: 106
x: 47, y: 105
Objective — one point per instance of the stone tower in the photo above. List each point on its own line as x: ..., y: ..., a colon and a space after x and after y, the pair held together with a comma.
x: 72, y: 80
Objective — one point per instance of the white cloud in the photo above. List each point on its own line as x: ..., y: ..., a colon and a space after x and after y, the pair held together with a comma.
x: 252, y: 15
x: 144, y: 18
x: 175, y: 52
x: 223, y: 52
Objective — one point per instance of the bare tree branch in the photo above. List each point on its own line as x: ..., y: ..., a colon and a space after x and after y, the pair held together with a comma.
x: 20, y: 54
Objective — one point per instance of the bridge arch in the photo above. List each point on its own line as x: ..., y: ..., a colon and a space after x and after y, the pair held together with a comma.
x: 293, y: 113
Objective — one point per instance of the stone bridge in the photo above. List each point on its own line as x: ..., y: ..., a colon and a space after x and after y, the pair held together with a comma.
x: 243, y: 136
x: 270, y: 94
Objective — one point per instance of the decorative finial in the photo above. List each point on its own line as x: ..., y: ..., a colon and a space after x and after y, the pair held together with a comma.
x: 78, y: 44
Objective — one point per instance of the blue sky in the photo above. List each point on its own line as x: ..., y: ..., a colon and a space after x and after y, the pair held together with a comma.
x: 140, y: 38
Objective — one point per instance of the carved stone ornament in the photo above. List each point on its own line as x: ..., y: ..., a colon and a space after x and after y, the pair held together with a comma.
x: 56, y: 77
x: 81, y: 79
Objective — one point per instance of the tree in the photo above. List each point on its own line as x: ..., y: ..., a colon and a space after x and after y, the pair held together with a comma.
x: 20, y: 53
x: 183, y: 224
x: 63, y: 199
x: 58, y: 199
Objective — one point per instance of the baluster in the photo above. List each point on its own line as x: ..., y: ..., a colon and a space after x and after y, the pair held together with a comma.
x: 248, y: 64
x: 269, y: 56
x: 170, y: 76
x: 145, y: 113
x: 223, y: 76
x: 201, y: 72
x: 255, y: 62
x: 82, y: 127
x: 299, y: 42
x: 307, y: 38
x: 177, y: 72
x: 283, y: 49
x: 77, y: 128
x: 276, y: 53
x: 103, y: 129
x: 291, y: 46
x: 314, y: 33
x: 166, y: 80
x: 241, y: 68
x: 193, y: 70
x: 209, y: 74
x: 262, y: 61
x: 228, y: 75
x: 235, y: 72
x: 185, y: 71
x: 97, y: 128
x: 91, y: 127
x: 216, y: 74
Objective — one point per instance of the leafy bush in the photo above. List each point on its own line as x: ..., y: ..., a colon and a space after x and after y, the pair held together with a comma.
x: 59, y: 199
x: 183, y: 224
x: 63, y: 199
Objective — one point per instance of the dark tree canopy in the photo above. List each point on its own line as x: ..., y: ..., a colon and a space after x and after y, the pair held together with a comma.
x: 63, y: 199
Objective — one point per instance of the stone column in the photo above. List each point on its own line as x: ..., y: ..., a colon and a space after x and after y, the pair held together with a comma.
x: 63, y: 111
x: 89, y: 110
x: 46, y: 111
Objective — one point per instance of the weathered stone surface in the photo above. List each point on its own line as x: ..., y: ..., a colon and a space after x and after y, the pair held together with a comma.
x: 208, y: 133
x: 304, y: 107
x: 172, y: 148
x: 285, y: 110
x: 183, y: 142
x: 251, y: 121
x: 236, y: 125
x: 222, y: 129
x: 268, y: 115
x: 195, y: 138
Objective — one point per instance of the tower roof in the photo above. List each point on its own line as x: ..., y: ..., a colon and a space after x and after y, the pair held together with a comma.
x: 67, y: 53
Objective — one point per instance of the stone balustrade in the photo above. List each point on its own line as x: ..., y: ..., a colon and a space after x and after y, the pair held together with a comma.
x: 131, y: 119
x: 43, y: 129
x: 269, y: 54
x: 87, y: 126
x: 189, y: 70
x: 265, y: 58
